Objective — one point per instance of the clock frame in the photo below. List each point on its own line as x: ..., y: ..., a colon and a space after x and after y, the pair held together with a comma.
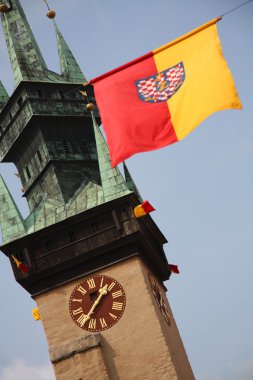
x: 97, y: 303
x: 159, y: 299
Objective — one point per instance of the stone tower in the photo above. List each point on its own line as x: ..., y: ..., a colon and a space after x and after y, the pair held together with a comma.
x: 95, y: 271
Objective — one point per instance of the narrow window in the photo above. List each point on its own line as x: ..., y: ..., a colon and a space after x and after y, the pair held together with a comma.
x: 72, y: 236
x: 3, y: 199
x: 65, y: 147
x: 28, y: 172
x: 39, y: 156
x: 20, y: 101
x: 49, y: 246
x: 62, y: 95
x: 85, y: 146
x: 94, y: 227
x: 39, y: 92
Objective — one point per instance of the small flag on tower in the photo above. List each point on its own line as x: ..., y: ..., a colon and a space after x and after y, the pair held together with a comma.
x: 20, y: 265
x: 84, y: 93
x: 36, y: 314
x: 173, y: 268
x: 143, y: 209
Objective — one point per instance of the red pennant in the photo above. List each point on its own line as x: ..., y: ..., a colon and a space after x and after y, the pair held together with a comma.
x: 147, y: 207
x: 173, y: 268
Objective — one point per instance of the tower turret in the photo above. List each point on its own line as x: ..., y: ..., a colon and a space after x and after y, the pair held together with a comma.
x: 26, y: 59
x: 70, y: 69
x: 64, y: 167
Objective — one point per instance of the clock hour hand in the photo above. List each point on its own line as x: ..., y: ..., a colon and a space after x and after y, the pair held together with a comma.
x: 103, y: 291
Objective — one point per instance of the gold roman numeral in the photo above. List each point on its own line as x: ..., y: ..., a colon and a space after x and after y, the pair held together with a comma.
x: 101, y: 283
x: 111, y: 286
x: 81, y: 320
x: 81, y: 290
x: 117, y: 305
x: 113, y: 316
x: 92, y: 324
x: 102, y: 322
x: 117, y: 294
x: 91, y: 283
x: 76, y: 300
x: 77, y: 311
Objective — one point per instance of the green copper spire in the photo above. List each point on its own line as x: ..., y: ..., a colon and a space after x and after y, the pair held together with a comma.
x: 26, y: 59
x: 113, y: 183
x: 4, y: 97
x: 130, y: 182
x: 12, y: 223
x: 69, y: 68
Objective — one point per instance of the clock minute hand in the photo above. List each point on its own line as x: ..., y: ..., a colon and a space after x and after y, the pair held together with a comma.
x: 103, y: 291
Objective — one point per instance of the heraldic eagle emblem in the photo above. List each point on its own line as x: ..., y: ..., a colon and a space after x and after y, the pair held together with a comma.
x: 161, y: 86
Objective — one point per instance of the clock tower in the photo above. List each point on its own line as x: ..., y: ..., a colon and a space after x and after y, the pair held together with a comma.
x: 96, y: 272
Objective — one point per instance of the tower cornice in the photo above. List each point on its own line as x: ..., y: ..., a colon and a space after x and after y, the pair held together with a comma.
x: 118, y: 235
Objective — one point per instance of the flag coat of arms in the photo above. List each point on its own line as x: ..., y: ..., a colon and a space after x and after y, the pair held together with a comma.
x: 159, y: 98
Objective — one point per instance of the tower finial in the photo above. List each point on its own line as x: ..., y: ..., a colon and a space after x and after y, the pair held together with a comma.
x: 3, y: 8
x: 50, y: 13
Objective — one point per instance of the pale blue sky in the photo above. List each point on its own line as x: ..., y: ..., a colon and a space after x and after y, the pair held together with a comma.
x: 201, y: 187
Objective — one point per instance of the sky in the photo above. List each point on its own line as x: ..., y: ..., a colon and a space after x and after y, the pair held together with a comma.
x: 201, y: 187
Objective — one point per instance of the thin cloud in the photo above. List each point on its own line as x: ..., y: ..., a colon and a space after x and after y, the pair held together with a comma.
x: 18, y: 369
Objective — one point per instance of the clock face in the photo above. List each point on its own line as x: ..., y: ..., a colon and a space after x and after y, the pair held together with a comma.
x: 97, y: 303
x: 159, y: 298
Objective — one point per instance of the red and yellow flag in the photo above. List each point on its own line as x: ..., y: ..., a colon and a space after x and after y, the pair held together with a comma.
x: 142, y: 209
x: 20, y: 265
x: 161, y: 97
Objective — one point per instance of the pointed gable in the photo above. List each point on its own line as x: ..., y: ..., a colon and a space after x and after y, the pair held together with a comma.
x: 4, y: 97
x: 11, y: 221
x: 70, y: 70
x: 130, y: 182
x: 113, y: 183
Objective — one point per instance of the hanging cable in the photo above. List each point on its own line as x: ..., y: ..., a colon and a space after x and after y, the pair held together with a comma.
x: 238, y: 6
x: 224, y: 14
x: 45, y: 1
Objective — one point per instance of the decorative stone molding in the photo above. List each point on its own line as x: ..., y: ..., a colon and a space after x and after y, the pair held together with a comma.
x: 63, y: 351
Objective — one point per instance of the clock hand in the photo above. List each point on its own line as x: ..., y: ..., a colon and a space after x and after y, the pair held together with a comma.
x: 103, y: 291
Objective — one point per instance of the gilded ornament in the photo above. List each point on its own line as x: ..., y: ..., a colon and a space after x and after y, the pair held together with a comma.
x: 90, y: 107
x: 51, y: 14
x: 3, y: 8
